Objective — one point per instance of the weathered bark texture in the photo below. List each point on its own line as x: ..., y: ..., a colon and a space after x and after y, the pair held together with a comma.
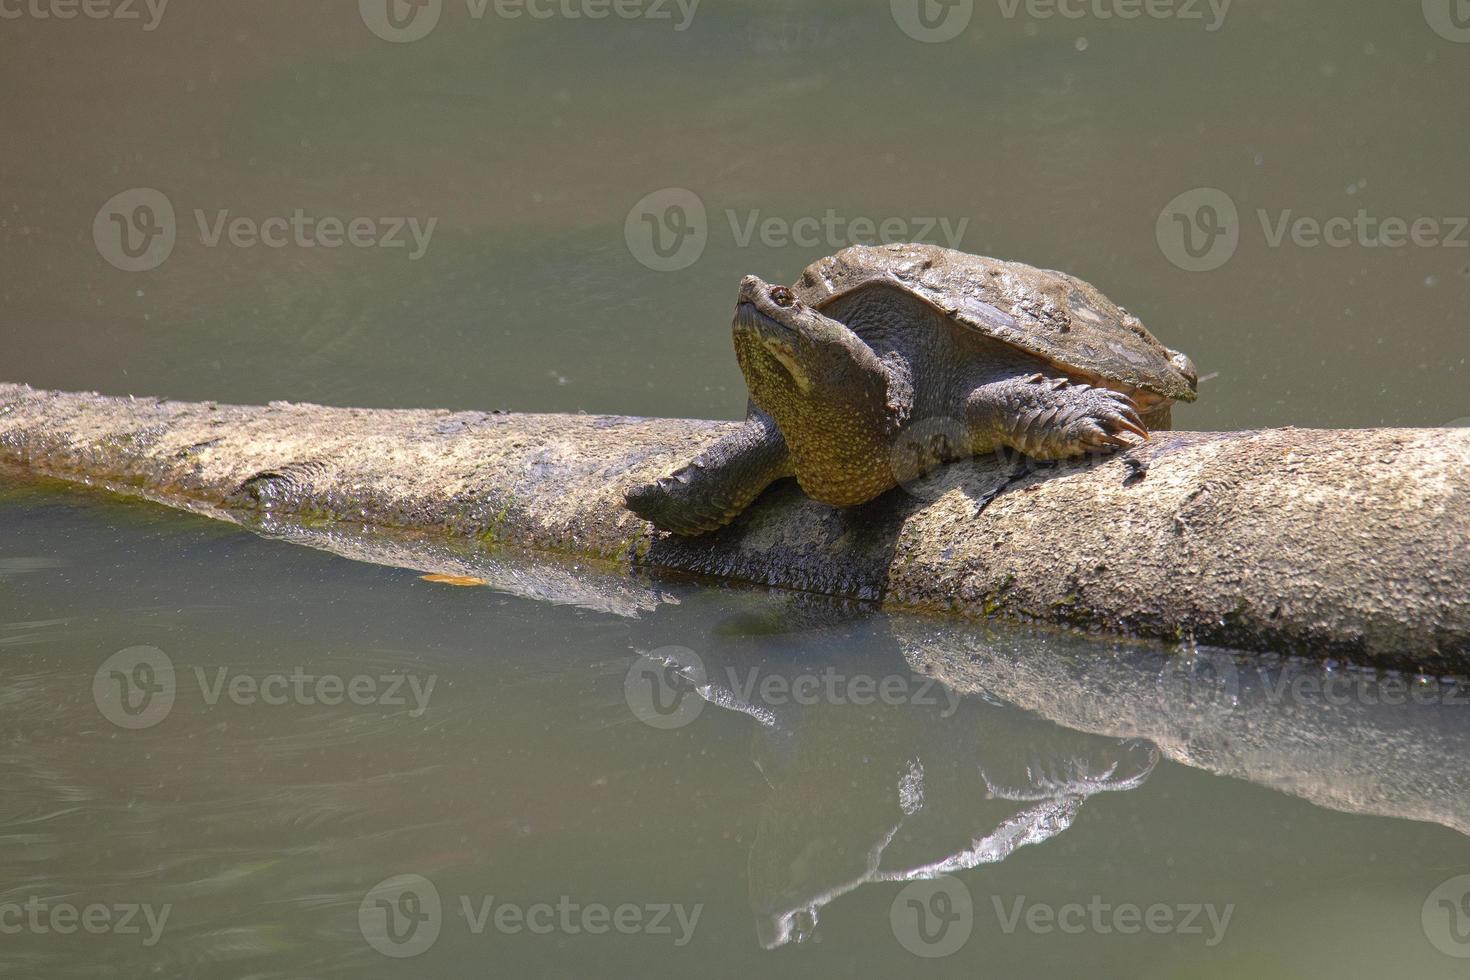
x: 1354, y: 543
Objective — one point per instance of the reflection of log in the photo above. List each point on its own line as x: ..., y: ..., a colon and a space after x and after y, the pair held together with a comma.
x: 1355, y: 543
x: 1344, y: 739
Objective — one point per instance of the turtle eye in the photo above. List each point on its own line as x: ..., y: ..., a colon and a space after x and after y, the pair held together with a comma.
x: 783, y: 297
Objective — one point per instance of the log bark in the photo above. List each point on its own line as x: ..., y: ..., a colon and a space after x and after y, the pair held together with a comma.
x: 1347, y: 543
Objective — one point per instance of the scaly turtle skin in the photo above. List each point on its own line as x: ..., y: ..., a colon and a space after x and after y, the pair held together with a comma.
x: 883, y: 361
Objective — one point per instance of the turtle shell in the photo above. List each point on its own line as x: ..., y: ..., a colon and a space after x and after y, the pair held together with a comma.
x: 1050, y: 314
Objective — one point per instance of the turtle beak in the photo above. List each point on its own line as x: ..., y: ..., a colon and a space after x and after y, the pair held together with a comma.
x: 751, y: 287
x: 747, y: 304
x: 1181, y: 363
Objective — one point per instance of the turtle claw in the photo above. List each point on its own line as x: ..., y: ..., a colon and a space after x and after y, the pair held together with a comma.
x: 1108, y: 439
x: 1124, y: 419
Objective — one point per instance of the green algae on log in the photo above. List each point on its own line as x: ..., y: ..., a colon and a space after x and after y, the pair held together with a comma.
x: 1350, y: 543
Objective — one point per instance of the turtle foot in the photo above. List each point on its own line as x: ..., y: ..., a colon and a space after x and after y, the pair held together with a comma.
x: 1060, y: 419
x: 672, y: 503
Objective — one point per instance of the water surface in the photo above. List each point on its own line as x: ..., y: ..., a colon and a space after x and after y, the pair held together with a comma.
x: 779, y: 768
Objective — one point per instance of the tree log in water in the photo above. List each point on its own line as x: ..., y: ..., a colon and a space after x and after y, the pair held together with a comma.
x: 1350, y: 543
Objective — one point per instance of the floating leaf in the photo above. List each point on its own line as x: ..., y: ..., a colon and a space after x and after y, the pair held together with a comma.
x: 454, y: 579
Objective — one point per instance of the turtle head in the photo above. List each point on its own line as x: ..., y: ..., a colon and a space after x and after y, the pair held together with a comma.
x: 827, y: 390
x: 791, y: 354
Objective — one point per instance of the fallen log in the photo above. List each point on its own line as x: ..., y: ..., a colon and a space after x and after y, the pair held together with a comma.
x: 1346, y: 543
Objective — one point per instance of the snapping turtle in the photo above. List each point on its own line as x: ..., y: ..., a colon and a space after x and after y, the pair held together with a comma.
x: 882, y: 353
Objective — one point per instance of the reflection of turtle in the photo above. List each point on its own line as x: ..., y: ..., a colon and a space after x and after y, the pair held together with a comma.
x: 876, y: 342
x: 892, y: 792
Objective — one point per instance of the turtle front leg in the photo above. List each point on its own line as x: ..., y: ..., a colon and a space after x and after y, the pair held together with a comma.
x: 717, y: 484
x: 1053, y: 418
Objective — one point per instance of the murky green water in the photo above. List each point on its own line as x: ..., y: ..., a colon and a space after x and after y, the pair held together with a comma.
x: 223, y: 753
x: 771, y: 769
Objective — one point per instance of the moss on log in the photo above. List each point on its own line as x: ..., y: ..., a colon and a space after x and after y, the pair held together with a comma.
x: 1350, y: 543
